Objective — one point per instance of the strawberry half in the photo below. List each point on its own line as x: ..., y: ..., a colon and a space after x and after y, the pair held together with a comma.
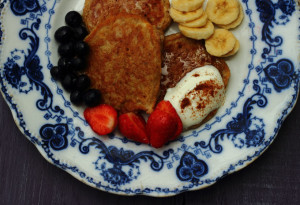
x: 161, y: 127
x: 102, y: 118
x: 133, y: 127
x: 167, y: 107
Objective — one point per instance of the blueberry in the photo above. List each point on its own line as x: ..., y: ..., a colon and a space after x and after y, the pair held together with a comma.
x: 66, y: 50
x: 78, y: 64
x: 74, y: 81
x: 64, y: 63
x: 64, y: 34
x: 76, y: 97
x: 57, y: 73
x: 68, y: 81
x: 92, y: 98
x: 82, y: 82
x: 81, y: 48
x: 80, y: 32
x: 73, y: 19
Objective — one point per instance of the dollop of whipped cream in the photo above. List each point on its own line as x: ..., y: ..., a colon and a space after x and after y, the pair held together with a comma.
x: 197, y: 94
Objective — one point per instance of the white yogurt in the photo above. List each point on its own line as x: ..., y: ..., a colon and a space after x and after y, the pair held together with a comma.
x: 197, y: 94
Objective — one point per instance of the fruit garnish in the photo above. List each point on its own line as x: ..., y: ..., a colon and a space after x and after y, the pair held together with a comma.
x: 182, y: 17
x: 64, y: 63
x: 222, y: 11
x: 57, y: 73
x: 220, y: 43
x: 81, y: 48
x: 80, y: 32
x: 234, y: 50
x: 66, y: 50
x: 76, y: 97
x: 187, y: 5
x: 236, y: 22
x: 102, y: 119
x: 68, y: 82
x: 167, y: 107
x: 73, y: 19
x: 133, y: 126
x: 203, y: 32
x: 160, y: 128
x: 73, y: 52
x: 82, y: 82
x: 197, y: 23
x: 92, y: 97
x: 63, y: 34
x: 78, y: 63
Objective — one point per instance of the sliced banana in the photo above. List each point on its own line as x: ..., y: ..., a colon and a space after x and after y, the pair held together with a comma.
x: 220, y: 43
x: 182, y: 17
x: 235, y: 23
x: 222, y: 11
x: 234, y: 50
x: 187, y: 5
x: 199, y: 22
x: 198, y: 33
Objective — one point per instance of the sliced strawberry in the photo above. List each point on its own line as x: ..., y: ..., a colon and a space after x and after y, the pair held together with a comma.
x: 160, y: 127
x: 133, y: 127
x: 102, y: 118
x: 167, y: 107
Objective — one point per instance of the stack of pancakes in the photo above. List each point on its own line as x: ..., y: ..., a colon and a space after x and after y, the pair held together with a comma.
x: 125, y: 62
x: 182, y: 55
x: 128, y: 52
x: 155, y: 11
x: 126, y: 48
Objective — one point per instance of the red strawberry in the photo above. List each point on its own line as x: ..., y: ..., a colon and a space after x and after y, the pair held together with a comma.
x: 133, y: 127
x: 167, y: 107
x: 102, y: 118
x: 160, y: 128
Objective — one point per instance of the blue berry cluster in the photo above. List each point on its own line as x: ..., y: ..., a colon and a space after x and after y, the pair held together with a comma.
x: 72, y: 62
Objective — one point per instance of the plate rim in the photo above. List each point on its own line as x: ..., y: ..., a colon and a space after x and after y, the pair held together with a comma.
x: 289, y: 109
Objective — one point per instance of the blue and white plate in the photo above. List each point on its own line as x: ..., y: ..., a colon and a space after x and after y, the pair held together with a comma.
x: 261, y: 92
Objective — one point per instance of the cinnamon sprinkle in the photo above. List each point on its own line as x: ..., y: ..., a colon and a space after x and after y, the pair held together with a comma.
x: 185, y: 102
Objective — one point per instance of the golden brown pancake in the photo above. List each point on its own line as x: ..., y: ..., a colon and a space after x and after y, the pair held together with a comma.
x: 156, y: 11
x: 182, y: 55
x: 125, y: 62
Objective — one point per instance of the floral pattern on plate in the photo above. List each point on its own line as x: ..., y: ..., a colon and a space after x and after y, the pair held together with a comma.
x: 262, y: 91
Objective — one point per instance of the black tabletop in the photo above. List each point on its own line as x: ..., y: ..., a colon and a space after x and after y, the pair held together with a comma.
x: 27, y: 178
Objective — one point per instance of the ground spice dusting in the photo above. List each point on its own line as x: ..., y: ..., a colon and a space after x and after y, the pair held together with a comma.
x: 209, y: 87
x: 202, y: 91
x: 184, y: 103
x: 206, y: 85
x: 201, y: 105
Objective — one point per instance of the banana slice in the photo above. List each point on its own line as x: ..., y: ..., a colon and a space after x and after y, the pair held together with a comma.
x: 222, y: 11
x: 197, y: 22
x: 198, y: 33
x: 187, y: 5
x: 234, y: 50
x: 235, y: 23
x: 182, y: 17
x: 220, y: 43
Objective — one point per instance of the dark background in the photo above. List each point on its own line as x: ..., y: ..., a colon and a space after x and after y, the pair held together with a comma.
x: 27, y: 178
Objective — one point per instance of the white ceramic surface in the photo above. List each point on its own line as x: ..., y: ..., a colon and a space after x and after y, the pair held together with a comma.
x: 262, y: 91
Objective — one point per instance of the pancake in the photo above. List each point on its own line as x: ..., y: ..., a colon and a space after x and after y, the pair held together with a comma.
x: 182, y: 55
x: 155, y: 11
x: 125, y: 62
